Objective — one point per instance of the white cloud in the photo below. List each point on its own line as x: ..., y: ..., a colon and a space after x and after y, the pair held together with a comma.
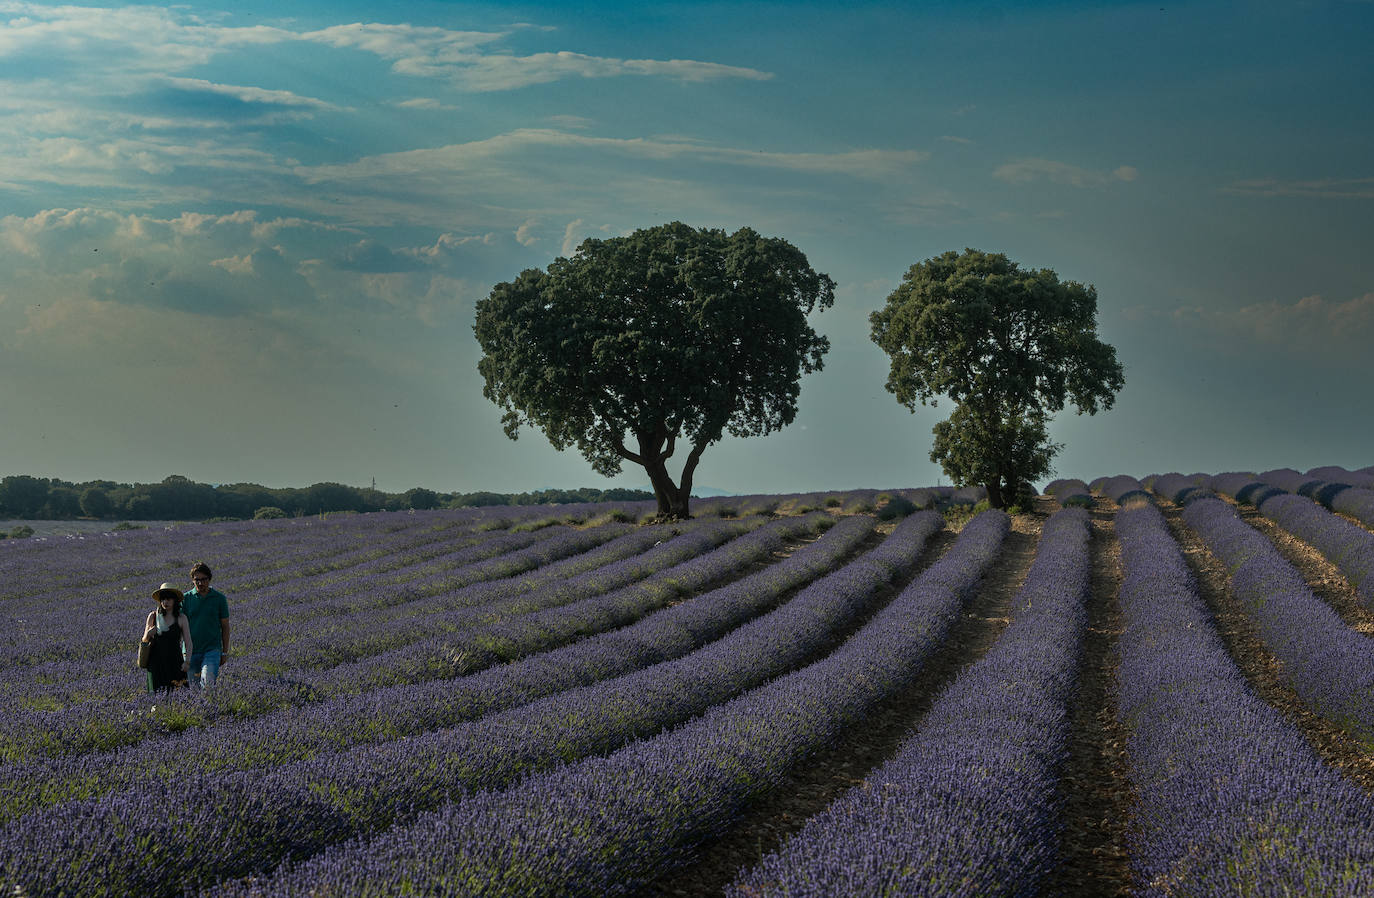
x: 412, y: 47
x: 1311, y: 325
x: 524, y: 235
x: 575, y: 122
x: 495, y: 72
x: 250, y: 94
x: 460, y: 57
x: 425, y: 103
x: 457, y: 157
x: 1320, y: 188
x: 444, y: 245
x: 578, y: 230
x: 235, y: 264
x: 121, y: 40
x: 1026, y: 170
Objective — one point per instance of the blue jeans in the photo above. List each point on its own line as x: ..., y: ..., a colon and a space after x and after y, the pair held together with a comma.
x: 204, y: 664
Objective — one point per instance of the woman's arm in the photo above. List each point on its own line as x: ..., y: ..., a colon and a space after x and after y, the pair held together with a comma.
x: 150, y: 628
x: 186, y: 640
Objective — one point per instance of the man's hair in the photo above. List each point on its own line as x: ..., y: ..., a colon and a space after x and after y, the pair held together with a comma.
x: 201, y: 567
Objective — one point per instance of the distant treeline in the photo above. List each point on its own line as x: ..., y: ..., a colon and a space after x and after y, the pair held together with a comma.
x: 179, y: 499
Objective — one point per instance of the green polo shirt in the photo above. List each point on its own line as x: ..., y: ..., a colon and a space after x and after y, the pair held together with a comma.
x: 205, y: 612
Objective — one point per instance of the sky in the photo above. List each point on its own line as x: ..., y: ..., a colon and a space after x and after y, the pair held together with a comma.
x: 243, y: 242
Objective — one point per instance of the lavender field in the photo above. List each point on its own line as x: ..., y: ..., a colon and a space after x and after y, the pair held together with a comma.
x: 1156, y: 686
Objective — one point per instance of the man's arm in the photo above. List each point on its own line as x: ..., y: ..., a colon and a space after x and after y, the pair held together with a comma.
x: 224, y: 634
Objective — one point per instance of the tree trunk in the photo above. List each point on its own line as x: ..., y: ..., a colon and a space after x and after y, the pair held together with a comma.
x: 672, y: 500
x: 995, y: 497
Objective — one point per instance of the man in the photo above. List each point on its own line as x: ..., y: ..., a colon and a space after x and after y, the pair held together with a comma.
x: 208, y: 612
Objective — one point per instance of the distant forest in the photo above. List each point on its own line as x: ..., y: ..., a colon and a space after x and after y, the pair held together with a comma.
x: 177, y: 498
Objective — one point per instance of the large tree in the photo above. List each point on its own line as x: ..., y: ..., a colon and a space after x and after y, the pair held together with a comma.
x: 671, y: 334
x: 1009, y: 346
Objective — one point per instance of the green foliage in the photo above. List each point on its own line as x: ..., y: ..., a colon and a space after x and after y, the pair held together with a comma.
x: 1009, y: 346
x: 958, y: 514
x: 896, y: 507
x: 636, y: 342
x: 22, y: 496
x: 1006, y: 451
x: 268, y: 512
x: 421, y: 499
x: 125, y: 525
x: 63, y: 503
x: 538, y: 524
x: 95, y: 502
x: 617, y: 516
x: 22, y: 531
x: 175, y: 717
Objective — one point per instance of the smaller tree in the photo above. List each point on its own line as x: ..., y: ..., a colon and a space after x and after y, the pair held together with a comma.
x: 1009, y: 346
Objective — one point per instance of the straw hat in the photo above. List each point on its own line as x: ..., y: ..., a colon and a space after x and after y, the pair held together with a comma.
x: 166, y: 588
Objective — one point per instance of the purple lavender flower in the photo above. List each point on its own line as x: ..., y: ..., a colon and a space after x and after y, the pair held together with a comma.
x: 1232, y: 800
x: 968, y: 804
x: 607, y: 825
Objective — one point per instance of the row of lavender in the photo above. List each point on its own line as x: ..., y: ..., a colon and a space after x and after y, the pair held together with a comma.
x: 517, y: 623
x: 298, y: 733
x: 369, y: 608
x: 1329, y: 664
x: 308, y: 560
x: 299, y: 591
x: 61, y: 696
x: 609, y: 825
x: 969, y: 804
x: 1231, y: 798
x: 1215, y: 819
x: 126, y: 840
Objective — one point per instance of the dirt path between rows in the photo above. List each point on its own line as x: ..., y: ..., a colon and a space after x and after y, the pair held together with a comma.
x: 1326, y: 580
x: 809, y: 790
x: 1098, y: 795
x: 1261, y: 669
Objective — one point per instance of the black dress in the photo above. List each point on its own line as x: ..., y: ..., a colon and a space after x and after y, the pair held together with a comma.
x: 165, y: 660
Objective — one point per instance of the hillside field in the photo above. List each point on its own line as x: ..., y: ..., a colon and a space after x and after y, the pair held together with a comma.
x: 1157, y: 686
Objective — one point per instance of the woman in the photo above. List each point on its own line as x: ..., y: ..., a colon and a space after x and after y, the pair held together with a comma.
x: 167, y: 631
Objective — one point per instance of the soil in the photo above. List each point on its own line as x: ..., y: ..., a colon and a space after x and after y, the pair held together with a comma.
x: 1098, y: 798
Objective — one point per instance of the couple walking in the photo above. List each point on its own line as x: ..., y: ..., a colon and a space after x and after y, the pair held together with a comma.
x: 188, y: 633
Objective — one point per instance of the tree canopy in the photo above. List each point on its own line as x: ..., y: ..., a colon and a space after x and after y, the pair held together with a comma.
x: 1010, y: 346
x: 635, y: 343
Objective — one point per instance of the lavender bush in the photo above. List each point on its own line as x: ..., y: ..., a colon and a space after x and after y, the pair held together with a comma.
x: 609, y: 825
x: 301, y: 732
x: 1348, y: 546
x: 968, y: 804
x: 299, y: 808
x: 1070, y: 493
x: 1232, y: 800
x: 1328, y: 664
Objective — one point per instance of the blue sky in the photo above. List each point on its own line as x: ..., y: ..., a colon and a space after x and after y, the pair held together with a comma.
x: 244, y: 242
